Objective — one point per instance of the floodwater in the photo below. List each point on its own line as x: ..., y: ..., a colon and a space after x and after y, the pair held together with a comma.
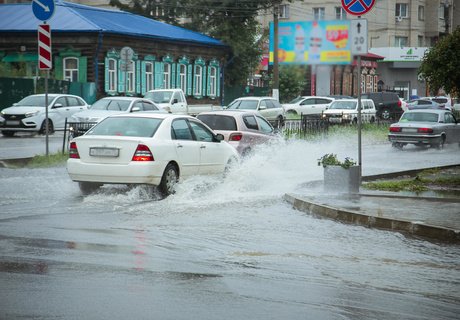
x: 229, y: 249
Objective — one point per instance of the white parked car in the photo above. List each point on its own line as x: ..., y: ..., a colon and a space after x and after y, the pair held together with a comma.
x: 157, y: 149
x: 346, y: 111
x: 307, y: 105
x: 29, y: 114
x: 268, y: 107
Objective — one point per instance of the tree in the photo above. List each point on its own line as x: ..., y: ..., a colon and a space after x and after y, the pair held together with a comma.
x: 233, y: 22
x: 441, y: 64
x: 292, y: 82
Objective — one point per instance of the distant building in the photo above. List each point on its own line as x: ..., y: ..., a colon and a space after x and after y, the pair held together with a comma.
x: 398, y: 30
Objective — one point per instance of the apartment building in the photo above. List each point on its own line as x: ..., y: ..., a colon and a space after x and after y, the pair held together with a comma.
x: 399, y: 31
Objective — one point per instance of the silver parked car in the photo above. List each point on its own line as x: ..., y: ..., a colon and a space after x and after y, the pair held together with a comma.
x: 243, y: 129
x: 268, y: 107
x: 425, y: 127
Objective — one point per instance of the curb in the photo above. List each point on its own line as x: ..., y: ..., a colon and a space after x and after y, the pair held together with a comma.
x: 15, y: 163
x: 428, y: 232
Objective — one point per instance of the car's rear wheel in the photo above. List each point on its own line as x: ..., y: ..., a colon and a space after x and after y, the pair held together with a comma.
x: 88, y: 187
x: 372, y: 119
x: 398, y: 145
x: 441, y: 143
x: 280, y: 121
x: 169, y: 180
x: 8, y: 133
x: 50, y: 127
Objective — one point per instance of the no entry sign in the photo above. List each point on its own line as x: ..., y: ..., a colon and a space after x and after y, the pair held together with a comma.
x: 44, y: 47
x: 357, y: 7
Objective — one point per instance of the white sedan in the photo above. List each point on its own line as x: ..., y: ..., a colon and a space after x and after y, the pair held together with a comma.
x: 147, y: 148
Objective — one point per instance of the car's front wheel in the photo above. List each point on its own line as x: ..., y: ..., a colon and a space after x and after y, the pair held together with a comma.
x: 50, y: 127
x: 169, y: 180
x: 8, y: 133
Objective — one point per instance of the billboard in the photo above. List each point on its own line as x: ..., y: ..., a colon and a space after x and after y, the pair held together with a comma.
x: 312, y: 42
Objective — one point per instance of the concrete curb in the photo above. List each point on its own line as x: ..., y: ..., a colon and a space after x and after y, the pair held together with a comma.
x: 415, y: 229
x: 15, y: 163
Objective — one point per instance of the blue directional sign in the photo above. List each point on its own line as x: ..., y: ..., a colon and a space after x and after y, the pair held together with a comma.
x: 357, y: 7
x: 43, y: 9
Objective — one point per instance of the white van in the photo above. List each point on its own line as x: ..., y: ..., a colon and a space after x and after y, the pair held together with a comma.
x: 346, y: 111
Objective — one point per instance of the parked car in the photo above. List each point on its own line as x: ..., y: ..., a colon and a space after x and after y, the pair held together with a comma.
x: 441, y: 100
x: 307, y: 105
x: 268, y: 107
x: 346, y: 111
x: 157, y: 149
x: 387, y: 104
x: 113, y: 105
x: 422, y: 104
x: 29, y: 114
x: 243, y: 129
x: 425, y: 127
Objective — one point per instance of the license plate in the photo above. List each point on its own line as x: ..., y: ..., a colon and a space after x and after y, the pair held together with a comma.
x: 104, y: 152
x: 409, y: 129
x: 12, y: 122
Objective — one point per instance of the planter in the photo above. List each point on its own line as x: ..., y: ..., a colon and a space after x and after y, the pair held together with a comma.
x: 338, y: 179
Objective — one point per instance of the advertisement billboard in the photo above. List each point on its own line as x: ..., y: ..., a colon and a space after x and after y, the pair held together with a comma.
x: 312, y: 42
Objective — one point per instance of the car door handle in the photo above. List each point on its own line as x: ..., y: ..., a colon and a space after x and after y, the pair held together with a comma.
x: 203, y: 146
x: 179, y: 145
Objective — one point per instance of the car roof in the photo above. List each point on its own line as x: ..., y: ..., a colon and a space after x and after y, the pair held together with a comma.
x: 352, y: 100
x: 432, y: 110
x: 123, y: 98
x: 322, y: 97
x: 231, y: 112
x: 150, y: 114
x: 254, y: 98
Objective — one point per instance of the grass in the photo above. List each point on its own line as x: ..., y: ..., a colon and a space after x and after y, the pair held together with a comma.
x: 43, y: 161
x: 424, y: 181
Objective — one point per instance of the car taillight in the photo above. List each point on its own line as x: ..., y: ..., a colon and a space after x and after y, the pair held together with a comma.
x: 399, y: 103
x: 142, y: 153
x: 425, y: 130
x: 236, y: 137
x: 73, y: 151
x: 395, y: 129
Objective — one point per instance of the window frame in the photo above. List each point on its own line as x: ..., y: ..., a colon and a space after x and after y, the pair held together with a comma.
x: 319, y: 13
x: 113, y: 75
x: 340, y: 13
x: 74, y: 72
x: 399, y: 8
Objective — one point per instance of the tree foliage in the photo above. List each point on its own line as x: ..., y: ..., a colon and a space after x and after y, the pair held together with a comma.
x: 441, y: 65
x: 232, y: 21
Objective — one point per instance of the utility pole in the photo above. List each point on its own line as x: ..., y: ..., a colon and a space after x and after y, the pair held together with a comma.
x: 276, y: 85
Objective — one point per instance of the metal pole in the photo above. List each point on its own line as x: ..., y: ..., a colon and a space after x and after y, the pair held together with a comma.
x: 46, y: 112
x: 275, y: 53
x: 360, y: 162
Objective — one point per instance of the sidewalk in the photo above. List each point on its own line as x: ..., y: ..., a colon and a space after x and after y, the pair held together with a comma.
x: 430, y: 218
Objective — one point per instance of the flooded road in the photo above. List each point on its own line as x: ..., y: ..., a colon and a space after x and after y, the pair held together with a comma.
x: 228, y: 249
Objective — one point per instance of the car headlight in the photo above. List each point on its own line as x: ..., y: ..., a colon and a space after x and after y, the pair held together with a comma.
x: 2, y: 113
x: 346, y: 116
x: 31, y: 114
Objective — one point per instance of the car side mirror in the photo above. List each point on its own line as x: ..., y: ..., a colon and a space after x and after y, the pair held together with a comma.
x: 57, y: 105
x: 135, y: 109
x: 220, y: 137
x: 175, y: 101
x: 262, y: 107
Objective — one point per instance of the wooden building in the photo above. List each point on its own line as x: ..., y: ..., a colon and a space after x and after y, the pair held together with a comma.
x: 87, y: 43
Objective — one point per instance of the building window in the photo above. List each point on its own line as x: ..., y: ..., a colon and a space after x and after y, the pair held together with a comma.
x: 401, y: 41
x: 167, y: 76
x: 149, y: 76
x: 340, y: 13
x: 130, y: 77
x: 112, y: 75
x: 198, y: 76
x: 183, y: 77
x: 318, y: 13
x: 421, y: 13
x: 284, y: 11
x: 401, y: 10
x: 420, y: 41
x: 212, y: 81
x: 70, y: 69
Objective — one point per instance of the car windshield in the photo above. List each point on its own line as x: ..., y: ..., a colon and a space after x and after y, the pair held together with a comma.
x: 34, y: 101
x: 244, y: 104
x: 126, y: 126
x: 298, y: 99
x: 218, y: 122
x: 111, y: 104
x: 419, y: 117
x: 159, y: 96
x: 349, y: 105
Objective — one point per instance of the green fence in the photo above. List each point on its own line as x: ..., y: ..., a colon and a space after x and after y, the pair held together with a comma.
x: 14, y: 89
x: 231, y: 93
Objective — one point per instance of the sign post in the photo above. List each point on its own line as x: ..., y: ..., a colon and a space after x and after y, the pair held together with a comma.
x: 44, y: 10
x: 358, y: 47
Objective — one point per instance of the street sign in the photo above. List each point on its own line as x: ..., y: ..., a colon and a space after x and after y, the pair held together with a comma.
x: 357, y: 7
x: 43, y: 9
x: 44, y: 47
x: 358, y: 28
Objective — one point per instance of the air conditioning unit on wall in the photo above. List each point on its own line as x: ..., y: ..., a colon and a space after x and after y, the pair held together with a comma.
x: 399, y: 18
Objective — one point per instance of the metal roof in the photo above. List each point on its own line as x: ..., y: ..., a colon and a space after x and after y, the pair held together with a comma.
x: 72, y: 17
